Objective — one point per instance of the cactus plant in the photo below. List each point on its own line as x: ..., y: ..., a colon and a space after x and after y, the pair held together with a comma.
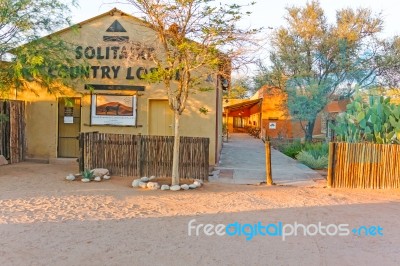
x: 87, y: 174
x: 376, y: 121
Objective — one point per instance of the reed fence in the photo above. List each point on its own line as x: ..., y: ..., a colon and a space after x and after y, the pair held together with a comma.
x: 12, y: 130
x: 138, y: 155
x: 364, y: 165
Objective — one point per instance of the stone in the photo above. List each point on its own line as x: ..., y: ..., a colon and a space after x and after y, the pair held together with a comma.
x: 106, y: 177
x: 192, y: 186
x: 3, y: 160
x: 136, y: 182
x: 97, y: 178
x: 142, y: 184
x: 152, y: 177
x: 184, y: 187
x: 70, y: 177
x: 197, y: 183
x: 85, y: 180
x: 100, y: 172
x: 153, y: 185
x: 200, y: 181
x: 145, y: 179
x: 164, y: 187
x: 175, y: 188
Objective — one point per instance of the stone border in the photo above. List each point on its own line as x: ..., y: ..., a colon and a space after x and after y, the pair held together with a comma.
x: 145, y: 183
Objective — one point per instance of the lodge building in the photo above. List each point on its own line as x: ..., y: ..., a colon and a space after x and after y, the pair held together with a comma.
x: 267, y: 113
x: 113, y: 97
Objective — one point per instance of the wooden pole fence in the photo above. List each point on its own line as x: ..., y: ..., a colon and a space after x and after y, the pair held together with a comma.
x: 139, y: 155
x: 363, y: 165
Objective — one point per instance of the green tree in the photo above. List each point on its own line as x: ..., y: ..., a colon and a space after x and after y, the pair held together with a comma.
x: 22, y: 24
x: 241, y: 88
x: 314, y: 61
x: 192, y: 34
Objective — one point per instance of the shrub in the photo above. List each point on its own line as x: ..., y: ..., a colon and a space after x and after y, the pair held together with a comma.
x: 291, y: 149
x: 317, y: 149
x: 307, y: 158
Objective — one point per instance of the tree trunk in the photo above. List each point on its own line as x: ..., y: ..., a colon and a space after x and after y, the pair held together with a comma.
x: 310, y: 130
x: 175, y: 159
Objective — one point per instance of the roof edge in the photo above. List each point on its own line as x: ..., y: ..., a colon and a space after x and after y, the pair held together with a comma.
x: 110, y: 12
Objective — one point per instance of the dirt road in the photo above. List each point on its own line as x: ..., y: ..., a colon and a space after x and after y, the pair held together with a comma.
x: 45, y: 220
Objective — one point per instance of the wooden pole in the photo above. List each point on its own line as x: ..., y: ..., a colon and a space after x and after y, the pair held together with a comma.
x: 268, y: 167
x: 81, y: 152
x: 330, y: 164
x: 227, y: 124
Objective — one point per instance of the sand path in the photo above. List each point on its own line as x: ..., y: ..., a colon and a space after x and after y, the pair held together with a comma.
x: 45, y: 220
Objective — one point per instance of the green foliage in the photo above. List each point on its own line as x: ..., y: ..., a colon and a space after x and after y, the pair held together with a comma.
x: 45, y: 62
x: 241, y: 88
x: 376, y: 121
x: 35, y: 59
x: 317, y: 149
x: 291, y: 149
x: 313, y: 60
x: 312, y: 161
x: 23, y: 21
x: 87, y: 174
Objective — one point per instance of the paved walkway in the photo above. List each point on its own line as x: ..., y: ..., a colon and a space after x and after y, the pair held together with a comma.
x: 243, y: 162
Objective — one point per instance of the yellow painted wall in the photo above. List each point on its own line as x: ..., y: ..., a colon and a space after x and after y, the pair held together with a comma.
x: 41, y: 111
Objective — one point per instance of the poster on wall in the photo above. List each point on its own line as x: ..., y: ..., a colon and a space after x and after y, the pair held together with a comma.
x: 119, y: 110
x: 272, y: 125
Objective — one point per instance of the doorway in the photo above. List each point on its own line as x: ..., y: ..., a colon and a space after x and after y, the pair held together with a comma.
x: 69, y: 126
x: 161, y: 121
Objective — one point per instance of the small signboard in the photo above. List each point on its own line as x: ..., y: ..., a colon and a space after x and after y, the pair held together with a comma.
x: 272, y: 125
x: 68, y: 119
x: 68, y: 115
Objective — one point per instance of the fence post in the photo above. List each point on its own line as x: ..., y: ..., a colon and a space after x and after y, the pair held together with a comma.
x: 268, y: 167
x: 331, y: 161
x: 81, y: 152
x: 139, y: 155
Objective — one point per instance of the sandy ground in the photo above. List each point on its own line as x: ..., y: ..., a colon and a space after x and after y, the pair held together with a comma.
x: 45, y: 220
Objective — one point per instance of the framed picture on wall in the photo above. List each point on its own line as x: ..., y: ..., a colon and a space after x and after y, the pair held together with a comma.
x: 113, y: 110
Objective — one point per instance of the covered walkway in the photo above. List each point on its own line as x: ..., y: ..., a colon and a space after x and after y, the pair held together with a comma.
x: 243, y: 162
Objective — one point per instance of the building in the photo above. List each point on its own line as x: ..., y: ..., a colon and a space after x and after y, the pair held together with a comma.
x: 266, y: 112
x: 114, y: 98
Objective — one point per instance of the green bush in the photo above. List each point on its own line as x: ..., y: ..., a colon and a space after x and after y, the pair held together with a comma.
x: 317, y: 149
x: 307, y: 158
x: 291, y: 149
